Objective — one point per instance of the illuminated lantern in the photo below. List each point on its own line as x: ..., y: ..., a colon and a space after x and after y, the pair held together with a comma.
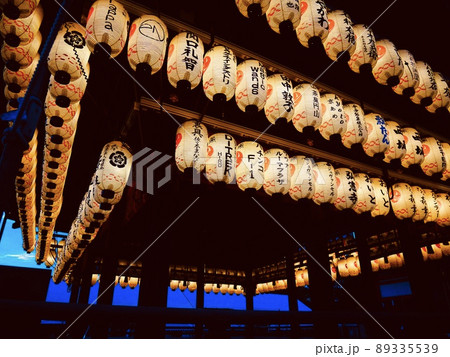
x: 230, y: 289
x: 392, y: 259
x: 219, y: 74
x: 299, y: 282
x: 68, y: 93
x: 307, y: 108
x: 21, y: 31
x: 259, y: 288
x: 352, y: 266
x: 340, y: 37
x: 313, y: 26
x: 174, y: 285
x: 185, y: 61
x: 239, y: 290
x: 13, y: 95
x: 434, y: 158
x: 432, y: 206
x: 375, y: 266
x: 182, y: 285
x: 446, y: 172
x: 305, y: 276
x: 420, y: 202
x: 345, y: 189
x: 441, y: 101
x: 94, y: 279
x: 56, y: 142
x: 301, y: 177
x: 216, y: 288
x: 381, y: 193
x: 410, y: 77
x: 190, y: 145
x: 276, y: 172
x: 343, y: 268
x: 64, y: 129
x: 252, y: 8
x: 437, y: 252
x: 414, y: 149
x: 249, y: 165
x: 356, y: 130
x: 445, y: 247
x: 333, y: 272
x: 365, y: 49
x: 279, y: 101
x: 443, y: 200
x: 365, y: 194
x: 377, y: 136
x: 424, y: 252
x: 208, y: 288
x: 107, y: 26
x: 383, y: 263
x: 333, y: 118
x: 389, y: 67
x: 251, y: 89
x: 283, y: 16
x: 19, y: 57
x: 223, y: 289
x: 324, y: 183
x: 427, y: 88
x: 15, y: 9
x: 402, y: 200
x: 397, y: 145
x: 123, y: 282
x: 133, y: 282
x: 52, y: 109
x: 220, y: 165
x: 192, y: 286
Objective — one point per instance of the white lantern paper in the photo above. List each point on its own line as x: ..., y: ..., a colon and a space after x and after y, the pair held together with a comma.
x: 402, y: 200
x: 283, y: 15
x: 345, y: 189
x: 301, y: 177
x: 252, y: 8
x: 442, y: 99
x: 375, y: 266
x: 133, y: 282
x: 414, y: 149
x: 342, y: 268
x: 192, y: 286
x: 333, y: 118
x: 22, y: 77
x: 313, y: 22
x: 340, y: 34
x: 397, y: 145
x: 299, y: 282
x: 446, y: 171
x: 445, y: 247
x: 432, y: 206
x: 208, y: 288
x: 52, y: 109
x: 21, y: 31
x: 356, y: 131
x: 73, y: 91
x: 220, y: 165
x: 280, y: 98
x: 437, y: 252
x: 191, y: 145
x: 377, y: 135
x: 333, y: 272
x: 389, y: 66
x: 65, y: 129
x: 365, y: 194
x: 352, y: 266
x: 410, y: 77
x: 19, y: 57
x: 434, y: 158
x: 382, y: 205
x: 249, y: 165
x: 365, y: 50
x: 443, y: 200
x: 307, y: 107
x: 383, y: 263
x: 427, y: 88
x: 251, y: 89
x: 182, y: 285
x: 224, y: 288
x: 276, y: 172
x: 420, y: 202
x: 324, y: 183
x: 19, y: 8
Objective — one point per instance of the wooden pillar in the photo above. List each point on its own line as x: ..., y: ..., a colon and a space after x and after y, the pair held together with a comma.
x: 86, y: 278
x: 292, y: 290
x: 200, y: 301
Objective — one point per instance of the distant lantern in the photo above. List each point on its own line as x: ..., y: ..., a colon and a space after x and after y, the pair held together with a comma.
x: 185, y: 61
x: 333, y: 118
x: 304, y: 276
x: 437, y: 252
x: 389, y: 67
x: 133, y: 282
x: 299, y: 282
x: 353, y: 266
x: 377, y: 136
x: 427, y: 88
x: 313, y: 26
x: 21, y: 31
x: 208, y: 288
x: 301, y: 177
x: 382, y: 205
x: 441, y: 101
x: 283, y: 16
x: 434, y: 157
x: 446, y: 172
x: 397, y: 145
x: 11, y: 95
x: 393, y: 262
x: 94, y: 279
x: 341, y: 37
x: 365, y: 194
x: 182, y: 285
x: 410, y: 77
x: 343, y: 268
x: 375, y: 266
x: 445, y: 247
x: 216, y: 288
x: 191, y: 145
x: 252, y: 8
x: 231, y: 289
x: 420, y: 202
x: 219, y: 74
x: 223, y: 289
x: 15, y: 9
x: 192, y: 286
x: 443, y: 200
x: 402, y: 200
x: 356, y: 131
x: 249, y: 165
x: 383, y: 263
x: 307, y: 107
x: 365, y: 50
x: 239, y: 290
x: 19, y: 80
x: 251, y: 88
x: 345, y: 189
x: 324, y: 183
x: 123, y: 281
x: 147, y: 44
x: 333, y: 272
x: 276, y: 171
x: 71, y: 92
x: 432, y: 206
x: 220, y: 165
x: 107, y: 27
x: 52, y: 108
x: 414, y: 149
x: 280, y: 98
x: 19, y: 57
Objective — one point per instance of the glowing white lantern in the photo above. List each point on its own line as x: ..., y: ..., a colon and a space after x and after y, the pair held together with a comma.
x: 190, y: 145
x: 434, y: 158
x: 365, y: 49
x: 356, y: 131
x: 219, y: 74
x: 375, y: 266
x: 107, y: 25
x: 333, y: 272
x: 283, y: 16
x: 402, y: 200
x: 437, y: 252
x: 182, y: 285
x: 345, y: 189
x: 313, y: 26
x: 383, y: 263
x: 365, y: 194
x: 18, y: 80
x: 239, y: 290
x: 414, y: 149
x: 441, y: 101
x: 208, y: 288
x: 133, y: 282
x: 21, y: 31
x: 230, y: 289
x: 71, y: 92
x: 307, y: 107
x: 443, y: 200
x: 340, y: 37
x: 249, y: 165
x: 397, y: 145
x: 382, y: 205
x: 52, y: 109
x: 13, y: 95
x: 343, y: 268
x: 223, y: 289
x: 220, y: 165
x: 192, y: 286
x: 251, y: 90
x: 392, y: 259
x: 445, y: 247
x: 427, y: 88
x: 252, y: 8
x: 420, y: 202
x: 18, y: 8
x: 324, y: 183
x: 410, y: 77
x: 301, y: 177
x: 446, y: 172
x: 94, y: 279
x: 389, y: 67
x: 19, y: 57
x: 353, y: 266
x: 123, y: 281
x: 299, y: 282
x: 279, y: 101
x: 185, y: 61
x: 377, y: 136
x: 276, y: 172
x: 333, y: 118
x: 432, y: 206
x: 65, y: 129
x: 216, y: 288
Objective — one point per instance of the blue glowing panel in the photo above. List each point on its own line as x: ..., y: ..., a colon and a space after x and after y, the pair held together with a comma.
x: 181, y: 299
x: 395, y: 289
x: 126, y: 297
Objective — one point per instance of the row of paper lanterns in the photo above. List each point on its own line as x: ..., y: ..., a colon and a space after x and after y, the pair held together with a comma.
x: 191, y: 286
x: 435, y: 251
x: 391, y: 261
x: 335, y: 30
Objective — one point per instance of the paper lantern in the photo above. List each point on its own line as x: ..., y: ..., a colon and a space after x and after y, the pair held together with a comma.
x: 182, y: 286
x: 15, y: 9
x: 208, y: 288
x: 191, y: 145
x: 333, y: 118
x: 94, y: 279
x: 64, y: 129
x: 377, y: 136
x: 446, y: 171
x: 364, y: 193
x: 68, y: 93
x: 402, y: 200
x: 392, y: 259
x: 437, y: 252
x: 352, y: 266
x: 280, y: 98
x: 13, y: 95
x: 251, y: 89
x: 185, y: 61
x: 434, y: 157
x: 252, y: 8
x: 389, y: 67
x: 223, y: 289
x: 18, y: 80
x: 340, y: 37
x: 283, y: 16
x: 21, y: 31
x: 220, y: 165
x: 445, y: 247
x: 324, y: 183
x: 414, y: 149
x: 356, y: 130
x: 345, y: 189
x: 249, y: 165
x: 424, y: 252
x: 333, y: 272
x: 239, y: 290
x: 219, y: 74
x: 420, y: 202
x: 427, y: 88
x: 107, y: 26
x: 301, y: 177
x: 441, y: 101
x: 19, y: 57
x: 375, y: 266
x: 443, y: 200
x: 299, y: 282
x: 382, y: 205
x: 409, y: 80
x: 313, y: 25
x: 305, y: 276
x: 365, y: 49
x: 133, y: 282
x: 383, y: 263
x: 307, y: 107
x: 52, y: 109
x: 230, y: 289
x: 432, y: 206
x: 192, y: 286
x: 397, y: 145
x: 276, y: 172
x: 343, y: 268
